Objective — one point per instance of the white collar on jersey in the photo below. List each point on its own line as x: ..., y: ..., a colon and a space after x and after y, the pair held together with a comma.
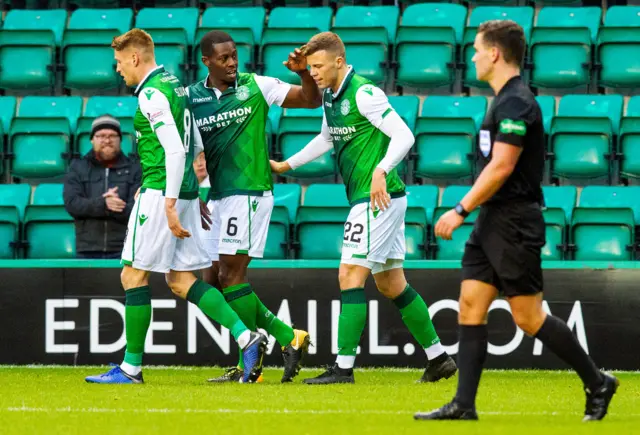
x: 216, y: 90
x: 151, y: 71
x: 343, y: 81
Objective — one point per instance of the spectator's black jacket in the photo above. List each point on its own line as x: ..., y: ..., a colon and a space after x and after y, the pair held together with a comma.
x: 98, y: 228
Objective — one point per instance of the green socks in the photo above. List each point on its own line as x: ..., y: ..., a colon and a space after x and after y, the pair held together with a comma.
x: 212, y: 303
x: 353, y: 317
x: 415, y: 315
x: 266, y: 320
x: 137, y: 314
x: 254, y: 314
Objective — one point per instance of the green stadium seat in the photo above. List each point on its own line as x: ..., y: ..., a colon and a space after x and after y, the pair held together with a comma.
x: 424, y: 196
x: 426, y: 44
x: 367, y: 32
x: 452, y: 249
x: 446, y: 136
x: 522, y: 15
x: 288, y: 29
x: 52, y: 107
x: 273, y: 123
x: 40, y: 137
x: 407, y: 107
x: 547, y: 105
x: 421, y: 201
x: 555, y: 230
x: 88, y: 37
x: 368, y: 17
x: 559, y: 204
x: 629, y: 140
x: 320, y: 221
x: 603, y: 226
x: 119, y: 107
x: 368, y: 51
x: 173, y: 32
x: 618, y: 50
x: 563, y: 197
x: 286, y: 203
x: 28, y: 43
x: 83, y: 136
x: 13, y: 201
x: 48, y: 228
x: 612, y: 197
x: 7, y: 112
x: 560, y: 47
x: 297, y: 128
x: 288, y: 196
x: 582, y: 134
x: 245, y: 25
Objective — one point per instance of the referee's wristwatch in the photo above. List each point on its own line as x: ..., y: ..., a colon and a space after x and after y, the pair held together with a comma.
x: 461, y: 211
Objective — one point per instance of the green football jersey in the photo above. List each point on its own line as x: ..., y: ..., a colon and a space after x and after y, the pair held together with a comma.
x: 162, y: 100
x: 232, y: 125
x: 353, y: 116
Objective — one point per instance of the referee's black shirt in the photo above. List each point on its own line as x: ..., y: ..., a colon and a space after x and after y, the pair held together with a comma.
x: 515, y: 118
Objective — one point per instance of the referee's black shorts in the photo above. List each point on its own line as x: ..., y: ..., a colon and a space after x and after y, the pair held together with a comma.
x: 504, y: 248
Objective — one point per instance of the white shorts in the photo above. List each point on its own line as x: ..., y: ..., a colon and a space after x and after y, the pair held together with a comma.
x: 240, y: 224
x: 150, y: 245
x: 375, y: 240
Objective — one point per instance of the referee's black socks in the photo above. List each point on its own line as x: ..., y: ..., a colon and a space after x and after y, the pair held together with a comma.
x: 472, y: 352
x: 556, y: 335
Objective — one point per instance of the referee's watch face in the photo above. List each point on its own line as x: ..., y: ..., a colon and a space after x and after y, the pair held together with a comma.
x: 484, y: 58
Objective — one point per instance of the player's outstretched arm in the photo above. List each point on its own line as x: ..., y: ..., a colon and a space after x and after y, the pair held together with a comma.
x: 156, y: 108
x: 198, y: 147
x: 314, y: 149
x: 307, y: 96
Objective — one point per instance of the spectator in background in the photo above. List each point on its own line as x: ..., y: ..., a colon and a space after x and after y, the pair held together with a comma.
x: 200, y: 167
x: 99, y: 192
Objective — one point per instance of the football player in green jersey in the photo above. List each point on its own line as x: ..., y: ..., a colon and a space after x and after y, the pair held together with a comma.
x: 369, y: 139
x: 231, y: 111
x: 167, y: 213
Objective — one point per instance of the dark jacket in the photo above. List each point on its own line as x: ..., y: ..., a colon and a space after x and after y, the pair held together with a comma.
x: 98, y: 228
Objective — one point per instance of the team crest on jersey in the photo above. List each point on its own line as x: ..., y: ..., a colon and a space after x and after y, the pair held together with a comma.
x: 242, y: 93
x: 485, y: 142
x: 345, y: 107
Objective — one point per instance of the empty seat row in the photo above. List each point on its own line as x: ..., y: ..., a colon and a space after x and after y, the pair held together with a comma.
x: 47, y: 131
x: 40, y: 228
x: 601, y: 227
x: 433, y: 41
x: 588, y: 136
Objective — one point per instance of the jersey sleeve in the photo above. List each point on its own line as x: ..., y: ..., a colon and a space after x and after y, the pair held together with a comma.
x: 513, y: 117
x: 155, y: 106
x: 373, y: 104
x: 274, y: 90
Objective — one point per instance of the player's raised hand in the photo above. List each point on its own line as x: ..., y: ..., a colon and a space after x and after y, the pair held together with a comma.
x: 173, y: 220
x: 205, y: 216
x: 279, y: 167
x: 380, y: 199
x: 447, y: 223
x: 297, y: 62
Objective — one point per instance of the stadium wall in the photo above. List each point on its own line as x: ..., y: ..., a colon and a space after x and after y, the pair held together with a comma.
x: 71, y: 312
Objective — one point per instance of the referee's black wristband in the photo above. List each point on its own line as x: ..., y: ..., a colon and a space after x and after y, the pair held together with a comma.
x: 461, y: 211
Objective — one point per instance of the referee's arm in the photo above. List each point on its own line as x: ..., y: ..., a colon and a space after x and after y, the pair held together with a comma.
x: 512, y: 121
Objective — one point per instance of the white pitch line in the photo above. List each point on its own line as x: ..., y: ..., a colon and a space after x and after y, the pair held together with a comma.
x: 27, y: 409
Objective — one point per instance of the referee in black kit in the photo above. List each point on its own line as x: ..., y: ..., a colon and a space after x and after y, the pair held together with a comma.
x: 502, y: 255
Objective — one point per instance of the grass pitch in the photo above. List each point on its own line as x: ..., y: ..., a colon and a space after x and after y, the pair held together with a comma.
x: 43, y: 400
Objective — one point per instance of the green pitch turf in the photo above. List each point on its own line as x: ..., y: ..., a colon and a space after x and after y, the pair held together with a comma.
x: 44, y: 400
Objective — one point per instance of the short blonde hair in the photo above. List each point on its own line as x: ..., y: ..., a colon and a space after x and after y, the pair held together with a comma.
x: 328, y: 41
x: 137, y: 38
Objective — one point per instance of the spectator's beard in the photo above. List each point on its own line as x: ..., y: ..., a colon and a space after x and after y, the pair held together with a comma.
x: 107, y: 154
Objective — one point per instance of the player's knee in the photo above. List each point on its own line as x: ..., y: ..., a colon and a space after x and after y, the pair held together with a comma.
x: 469, y: 313
x: 132, y: 278
x: 177, y: 287
x: 347, y: 277
x: 529, y: 321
